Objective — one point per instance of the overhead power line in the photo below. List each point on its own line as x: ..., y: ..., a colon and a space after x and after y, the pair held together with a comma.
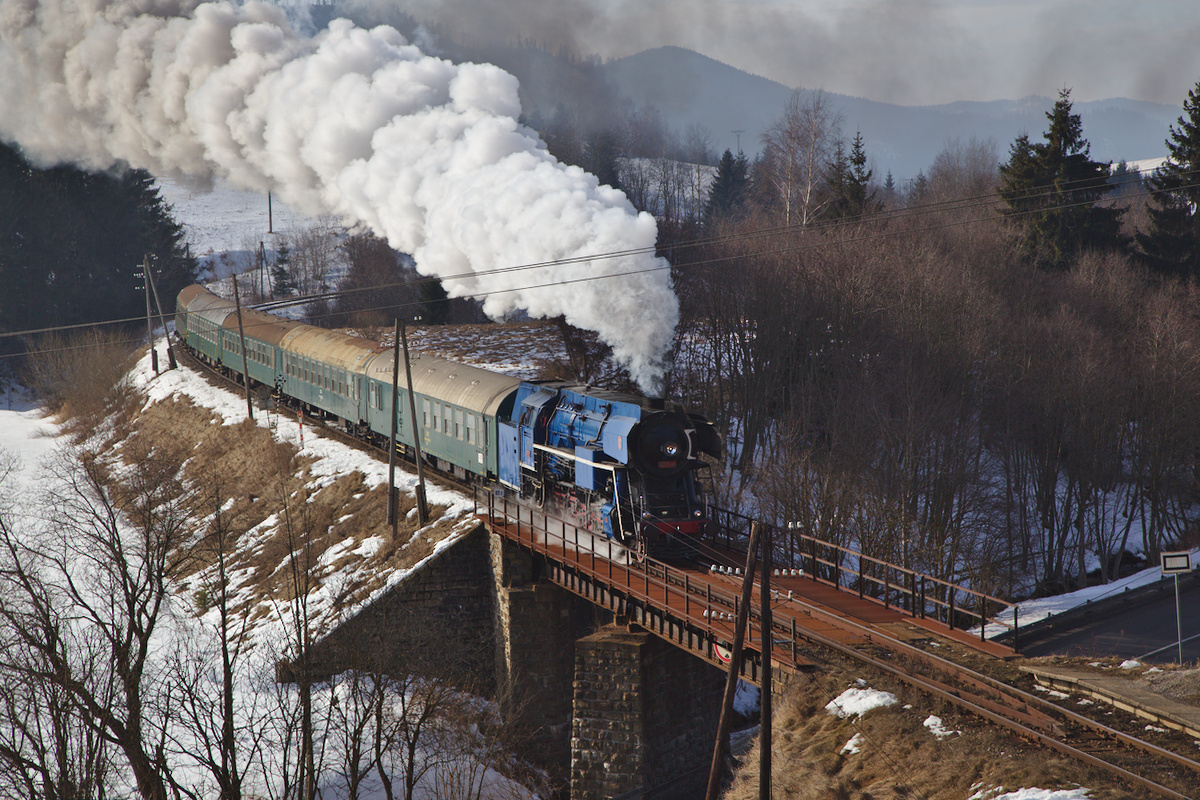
x: 972, y: 203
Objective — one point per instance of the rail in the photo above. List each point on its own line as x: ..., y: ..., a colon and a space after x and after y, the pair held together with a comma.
x: 891, y: 585
x: 711, y: 609
x: 648, y: 583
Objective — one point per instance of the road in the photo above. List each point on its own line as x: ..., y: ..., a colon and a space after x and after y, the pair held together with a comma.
x: 1134, y: 631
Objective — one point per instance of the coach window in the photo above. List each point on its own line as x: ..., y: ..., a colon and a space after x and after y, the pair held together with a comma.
x: 458, y: 424
x: 437, y: 415
x: 470, y: 429
x: 425, y: 412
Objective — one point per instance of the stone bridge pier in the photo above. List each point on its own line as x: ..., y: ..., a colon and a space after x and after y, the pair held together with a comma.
x: 610, y: 709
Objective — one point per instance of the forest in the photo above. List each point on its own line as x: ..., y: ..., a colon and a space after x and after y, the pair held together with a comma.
x: 990, y: 377
x: 73, y: 243
x: 987, y: 374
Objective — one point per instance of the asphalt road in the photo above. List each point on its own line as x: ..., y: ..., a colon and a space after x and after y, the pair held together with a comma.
x: 1134, y: 631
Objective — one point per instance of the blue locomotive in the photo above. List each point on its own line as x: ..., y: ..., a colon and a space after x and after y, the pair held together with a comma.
x: 615, y: 464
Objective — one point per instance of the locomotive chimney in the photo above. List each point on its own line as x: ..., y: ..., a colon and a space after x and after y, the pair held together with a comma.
x: 658, y: 403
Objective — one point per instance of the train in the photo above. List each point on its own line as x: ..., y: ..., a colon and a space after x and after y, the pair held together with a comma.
x: 626, y: 467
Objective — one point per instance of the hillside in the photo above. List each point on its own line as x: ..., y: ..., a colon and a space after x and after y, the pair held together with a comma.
x: 689, y: 88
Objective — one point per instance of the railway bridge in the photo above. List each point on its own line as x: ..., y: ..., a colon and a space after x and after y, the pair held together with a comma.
x: 618, y: 667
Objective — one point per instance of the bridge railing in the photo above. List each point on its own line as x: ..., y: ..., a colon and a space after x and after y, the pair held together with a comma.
x: 891, y: 585
x: 649, y: 583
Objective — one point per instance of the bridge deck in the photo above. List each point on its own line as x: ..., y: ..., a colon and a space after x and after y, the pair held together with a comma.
x: 696, y: 608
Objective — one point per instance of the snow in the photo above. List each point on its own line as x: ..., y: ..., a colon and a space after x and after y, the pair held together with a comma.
x: 225, y: 225
x: 858, y: 700
x: 1030, y: 611
x: 938, y: 728
x: 225, y: 220
x: 1031, y: 794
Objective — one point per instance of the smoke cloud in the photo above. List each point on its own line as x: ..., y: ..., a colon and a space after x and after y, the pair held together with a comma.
x: 917, y: 52
x: 356, y: 123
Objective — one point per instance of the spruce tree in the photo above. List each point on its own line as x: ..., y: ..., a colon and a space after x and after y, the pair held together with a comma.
x: 1052, y: 190
x: 727, y: 193
x: 860, y: 196
x: 283, y: 283
x: 1171, y: 244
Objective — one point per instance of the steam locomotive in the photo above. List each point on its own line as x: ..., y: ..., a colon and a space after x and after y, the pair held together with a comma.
x: 615, y: 464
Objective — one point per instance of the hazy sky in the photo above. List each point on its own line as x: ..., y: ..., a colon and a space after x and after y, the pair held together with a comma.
x: 913, y: 52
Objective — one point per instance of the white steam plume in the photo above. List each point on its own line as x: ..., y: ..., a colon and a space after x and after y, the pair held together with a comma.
x: 356, y: 123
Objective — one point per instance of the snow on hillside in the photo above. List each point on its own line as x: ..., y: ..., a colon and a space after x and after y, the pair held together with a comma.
x: 224, y: 225
x: 224, y: 220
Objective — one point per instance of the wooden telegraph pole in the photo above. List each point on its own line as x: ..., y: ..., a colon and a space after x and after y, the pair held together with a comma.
x: 393, y: 506
x: 764, y: 736
x: 242, y: 335
x: 162, y: 318
x: 149, y: 324
x: 735, y: 666
x: 422, y: 508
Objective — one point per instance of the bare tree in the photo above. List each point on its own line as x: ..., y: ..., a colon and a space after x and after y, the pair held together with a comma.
x: 313, y: 252
x: 47, y: 749
x: 797, y: 148
x: 964, y: 170
x: 85, y: 597
x: 217, y: 727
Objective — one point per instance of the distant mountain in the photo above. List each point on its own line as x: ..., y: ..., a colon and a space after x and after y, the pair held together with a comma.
x: 688, y: 88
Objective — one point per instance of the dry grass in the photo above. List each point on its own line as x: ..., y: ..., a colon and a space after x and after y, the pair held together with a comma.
x: 254, y: 501
x: 80, y: 376
x: 899, y: 757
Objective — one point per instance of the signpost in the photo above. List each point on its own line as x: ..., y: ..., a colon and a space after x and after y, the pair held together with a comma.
x: 1176, y: 563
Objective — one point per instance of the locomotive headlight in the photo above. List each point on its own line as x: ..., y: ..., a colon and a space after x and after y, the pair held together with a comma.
x: 671, y: 449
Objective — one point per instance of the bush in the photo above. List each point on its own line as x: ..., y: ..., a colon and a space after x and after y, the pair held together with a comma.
x: 80, y: 375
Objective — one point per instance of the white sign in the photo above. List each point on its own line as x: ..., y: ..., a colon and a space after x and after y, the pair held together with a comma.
x: 1176, y: 563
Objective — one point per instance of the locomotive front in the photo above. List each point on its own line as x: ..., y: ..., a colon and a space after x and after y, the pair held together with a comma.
x: 611, y: 463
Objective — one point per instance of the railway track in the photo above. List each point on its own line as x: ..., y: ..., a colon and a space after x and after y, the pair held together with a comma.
x: 1129, y: 758
x: 1132, y: 760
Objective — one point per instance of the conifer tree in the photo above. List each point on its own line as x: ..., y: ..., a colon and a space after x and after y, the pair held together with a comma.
x: 849, y: 182
x: 859, y: 194
x: 727, y: 194
x: 1052, y: 190
x: 283, y: 283
x: 1171, y: 244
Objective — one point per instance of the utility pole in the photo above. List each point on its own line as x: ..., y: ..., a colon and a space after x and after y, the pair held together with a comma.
x: 149, y: 326
x: 768, y: 637
x: 393, y: 510
x: 422, y: 508
x: 738, y: 134
x: 242, y: 336
x: 735, y: 665
x: 162, y: 319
